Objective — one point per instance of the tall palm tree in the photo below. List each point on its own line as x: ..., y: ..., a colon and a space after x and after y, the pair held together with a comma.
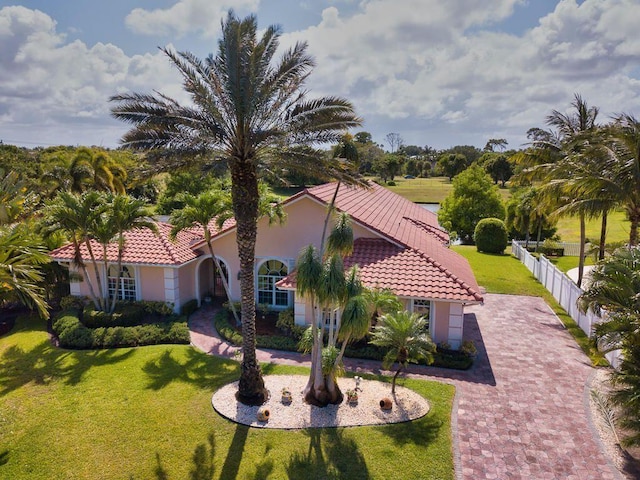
x: 21, y: 257
x: 405, y: 335
x: 563, y: 179
x: 247, y: 109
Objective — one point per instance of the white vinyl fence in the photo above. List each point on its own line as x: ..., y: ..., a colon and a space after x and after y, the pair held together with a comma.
x: 563, y: 290
x: 571, y: 249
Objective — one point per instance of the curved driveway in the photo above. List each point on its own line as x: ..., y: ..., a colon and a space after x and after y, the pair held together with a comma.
x: 522, y: 410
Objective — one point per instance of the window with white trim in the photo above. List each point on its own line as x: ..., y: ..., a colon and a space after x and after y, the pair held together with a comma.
x: 126, y: 286
x: 423, y: 308
x: 269, y: 273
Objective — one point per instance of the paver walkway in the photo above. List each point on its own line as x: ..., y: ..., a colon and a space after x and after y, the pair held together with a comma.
x: 522, y: 410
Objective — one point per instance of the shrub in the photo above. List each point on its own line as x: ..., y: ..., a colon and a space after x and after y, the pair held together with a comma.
x: 469, y: 348
x: 74, y: 334
x: 491, y: 235
x: 285, y: 321
x: 391, y: 183
x: 189, y: 307
x: 72, y: 302
x: 151, y: 307
x: 276, y: 342
x: 224, y: 328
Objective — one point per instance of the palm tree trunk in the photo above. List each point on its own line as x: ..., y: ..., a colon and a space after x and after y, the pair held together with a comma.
x: 634, y: 218
x: 583, y: 237
x: 118, y: 278
x: 101, y: 298
x: 539, y: 234
x: 343, y: 347
x: 83, y: 267
x: 395, y: 377
x: 244, y: 194
x: 603, y: 236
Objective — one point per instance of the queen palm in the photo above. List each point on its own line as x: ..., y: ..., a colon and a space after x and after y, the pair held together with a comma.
x: 248, y: 110
x: 405, y: 336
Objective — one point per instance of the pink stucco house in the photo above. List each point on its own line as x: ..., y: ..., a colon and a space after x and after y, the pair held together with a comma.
x: 398, y: 245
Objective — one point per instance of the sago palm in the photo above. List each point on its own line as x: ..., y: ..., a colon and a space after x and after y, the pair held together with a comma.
x: 405, y: 336
x: 247, y: 109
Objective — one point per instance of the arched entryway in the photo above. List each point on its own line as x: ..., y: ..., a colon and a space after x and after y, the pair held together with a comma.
x: 208, y: 281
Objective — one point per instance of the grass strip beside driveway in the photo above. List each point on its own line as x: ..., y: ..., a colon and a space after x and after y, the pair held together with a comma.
x: 507, y: 275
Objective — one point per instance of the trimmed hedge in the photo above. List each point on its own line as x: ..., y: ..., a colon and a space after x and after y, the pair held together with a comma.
x: 73, y: 334
x: 441, y: 358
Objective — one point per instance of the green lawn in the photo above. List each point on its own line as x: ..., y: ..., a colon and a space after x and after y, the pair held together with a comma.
x: 429, y: 190
x: 145, y: 413
x: 422, y: 190
x: 506, y: 274
x: 617, y: 228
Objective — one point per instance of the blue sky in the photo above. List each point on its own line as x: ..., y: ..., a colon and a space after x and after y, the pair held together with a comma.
x: 438, y: 73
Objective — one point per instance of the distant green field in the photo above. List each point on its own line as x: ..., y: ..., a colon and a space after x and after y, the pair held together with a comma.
x: 617, y: 228
x: 429, y: 190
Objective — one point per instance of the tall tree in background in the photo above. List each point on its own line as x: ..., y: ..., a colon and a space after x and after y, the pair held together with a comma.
x: 248, y: 110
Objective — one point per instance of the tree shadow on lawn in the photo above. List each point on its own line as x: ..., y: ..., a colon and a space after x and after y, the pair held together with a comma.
x: 199, y: 369
x: 4, y: 457
x: 331, y: 455
x: 203, y: 460
x: 45, y: 363
x: 419, y: 432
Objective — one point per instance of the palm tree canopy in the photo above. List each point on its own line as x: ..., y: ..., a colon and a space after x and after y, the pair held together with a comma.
x: 21, y: 255
x: 404, y: 334
x: 244, y: 104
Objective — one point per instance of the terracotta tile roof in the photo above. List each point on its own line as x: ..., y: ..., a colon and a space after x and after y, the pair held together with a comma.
x: 142, y: 247
x: 405, y: 223
x: 405, y: 271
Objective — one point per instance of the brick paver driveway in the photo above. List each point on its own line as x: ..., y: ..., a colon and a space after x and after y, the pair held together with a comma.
x: 523, y: 412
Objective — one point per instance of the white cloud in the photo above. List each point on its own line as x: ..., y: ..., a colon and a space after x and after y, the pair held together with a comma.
x: 46, y: 83
x: 442, y: 61
x: 436, y: 72
x: 186, y: 16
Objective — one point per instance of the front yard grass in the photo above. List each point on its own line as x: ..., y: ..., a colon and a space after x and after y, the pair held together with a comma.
x: 506, y: 274
x: 145, y: 413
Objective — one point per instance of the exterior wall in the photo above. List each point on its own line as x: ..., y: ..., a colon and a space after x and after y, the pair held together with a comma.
x: 303, y: 226
x: 187, y: 279
x: 440, y: 319
x: 151, y: 284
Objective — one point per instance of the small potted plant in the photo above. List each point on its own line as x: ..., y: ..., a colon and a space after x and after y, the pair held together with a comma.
x: 286, y: 395
x: 352, y: 397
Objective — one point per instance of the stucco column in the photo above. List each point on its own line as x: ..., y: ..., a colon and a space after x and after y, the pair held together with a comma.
x: 172, y: 288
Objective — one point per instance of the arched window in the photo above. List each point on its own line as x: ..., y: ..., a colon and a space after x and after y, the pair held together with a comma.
x: 269, y: 273
x: 127, y: 285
